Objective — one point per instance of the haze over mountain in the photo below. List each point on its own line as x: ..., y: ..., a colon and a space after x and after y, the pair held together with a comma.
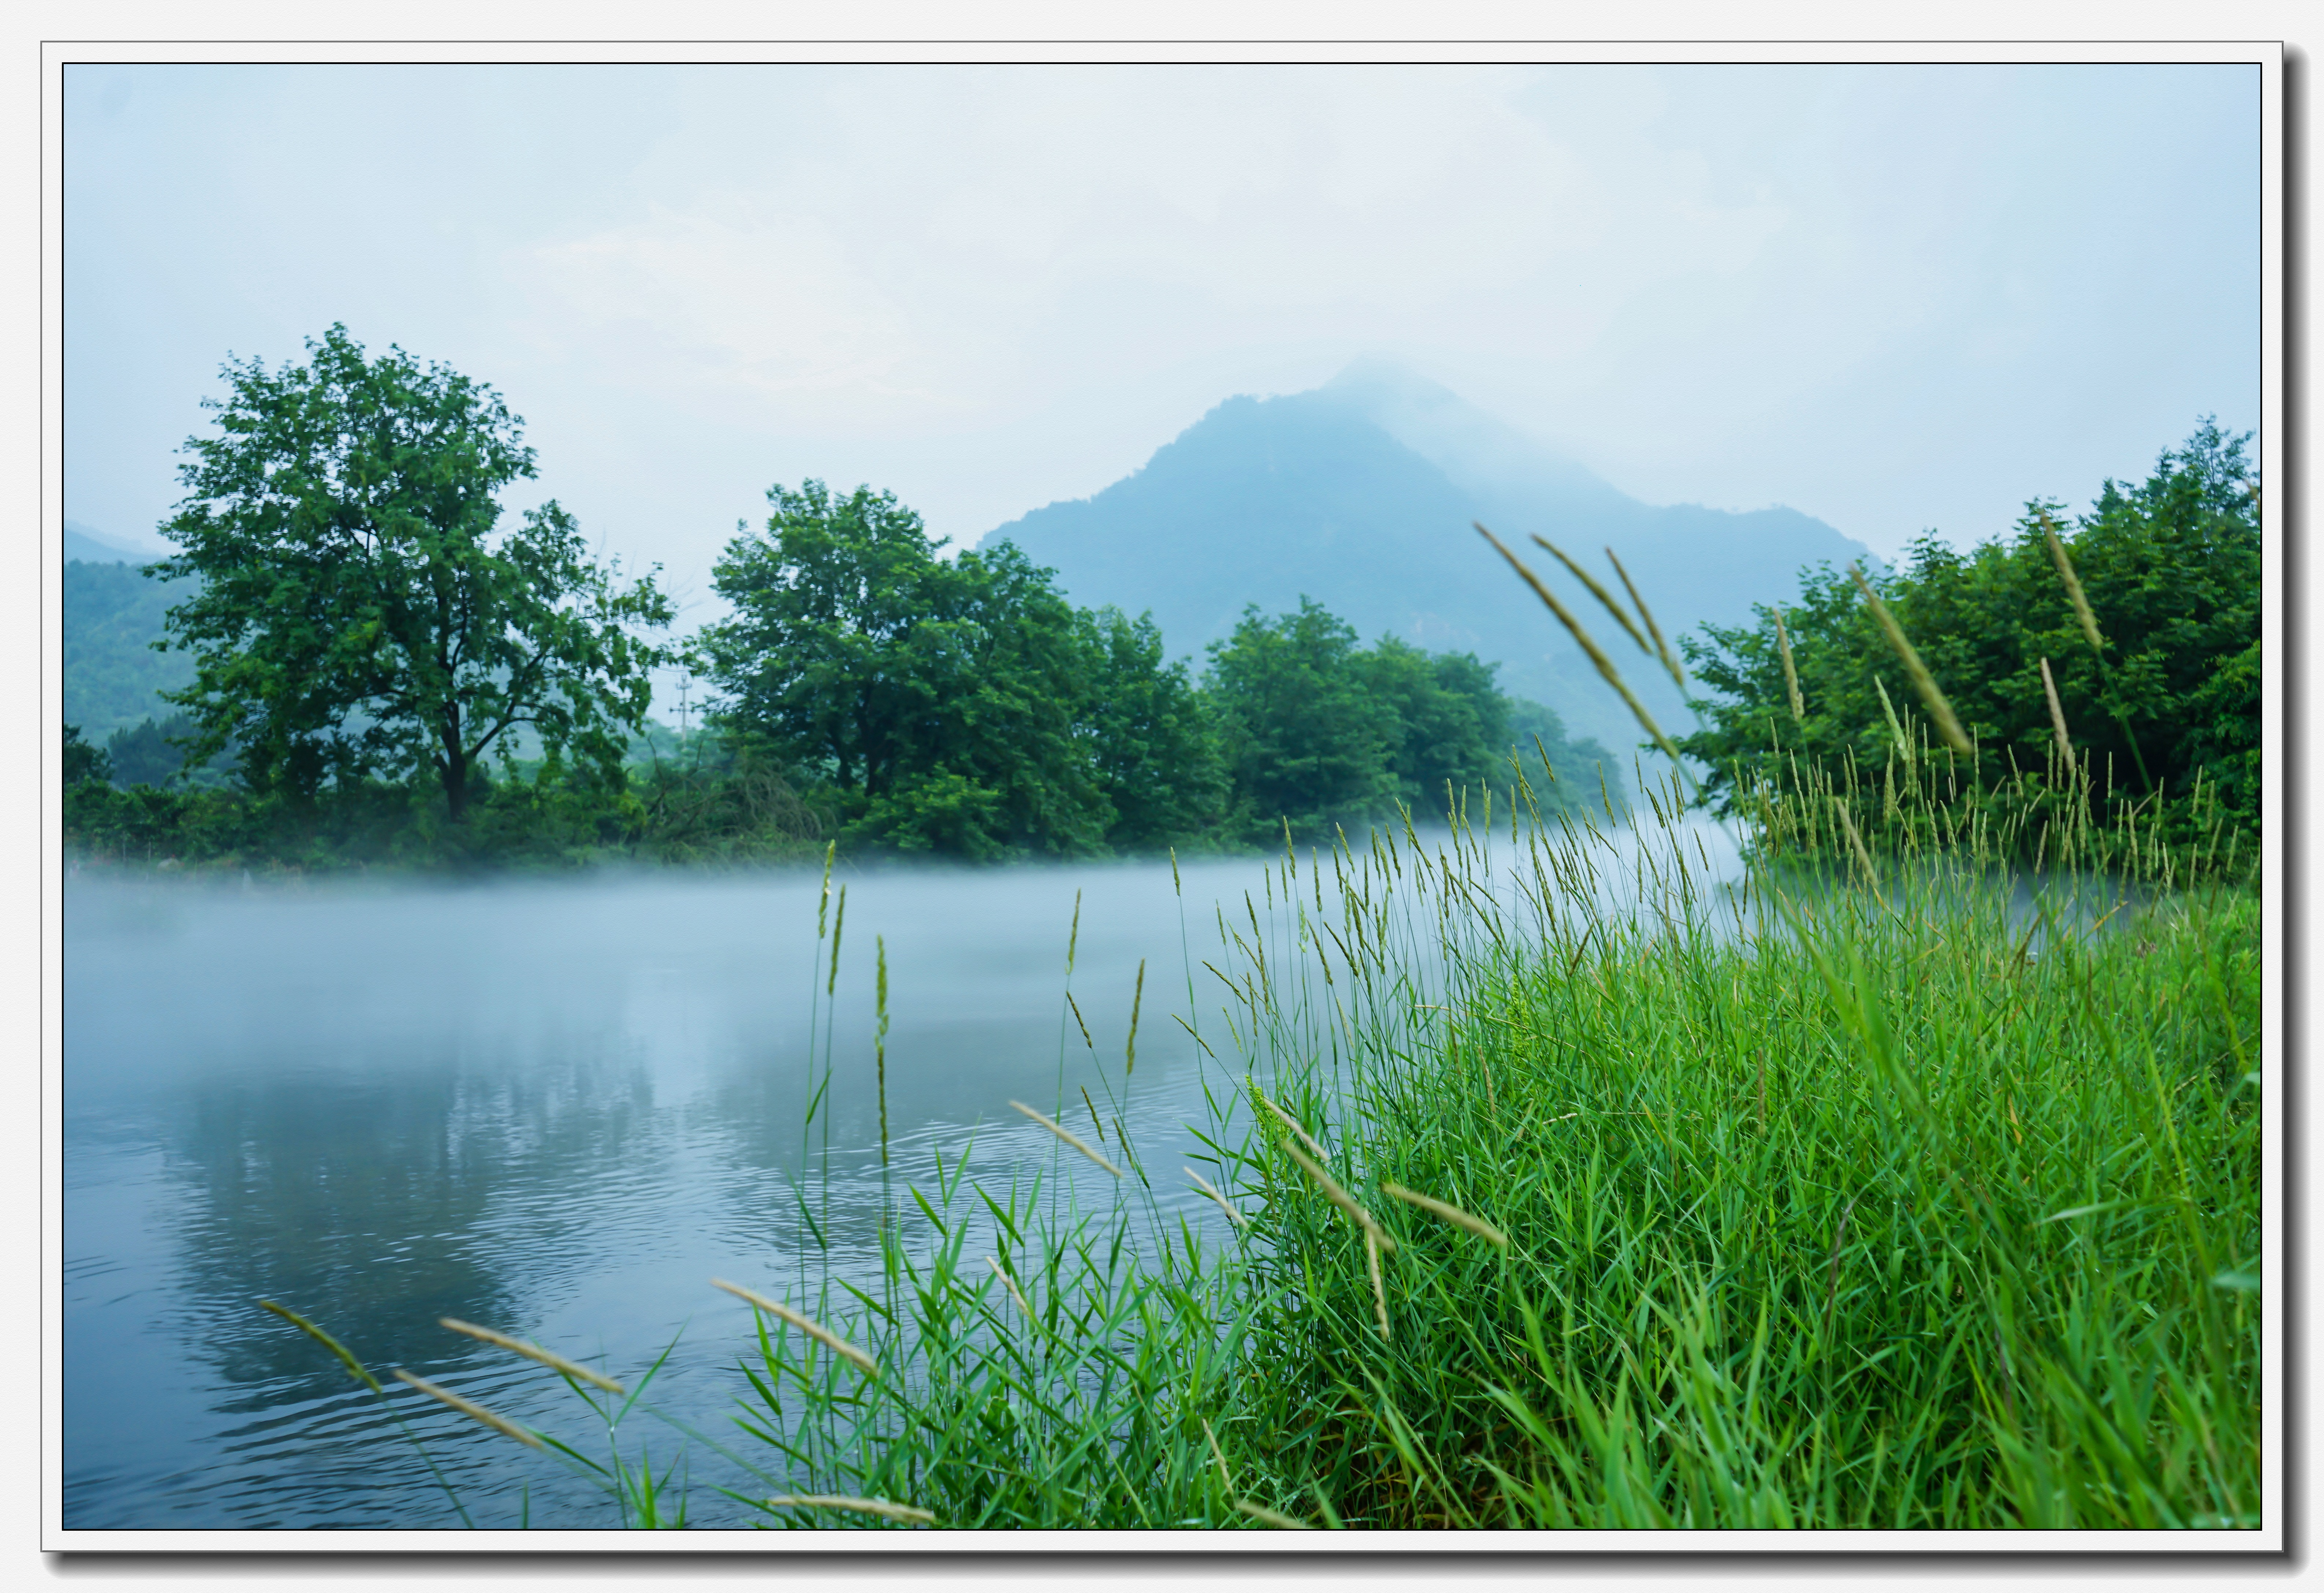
x: 1359, y: 495
x: 87, y: 546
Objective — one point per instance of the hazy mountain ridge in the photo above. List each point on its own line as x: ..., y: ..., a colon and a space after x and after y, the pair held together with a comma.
x: 85, y: 545
x: 1361, y: 494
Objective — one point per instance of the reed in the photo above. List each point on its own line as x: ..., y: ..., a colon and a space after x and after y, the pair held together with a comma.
x: 534, y: 1352
x: 804, y: 1323
x: 1597, y: 654
x: 1940, y: 710
x: 1662, y: 648
x: 471, y: 1409
x: 1066, y: 1134
x: 1791, y: 672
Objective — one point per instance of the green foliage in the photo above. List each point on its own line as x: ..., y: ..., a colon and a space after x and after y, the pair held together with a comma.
x: 1155, y: 736
x: 2172, y: 571
x: 154, y: 752
x: 1826, y: 1208
x: 1791, y: 1205
x: 1308, y: 738
x: 83, y: 762
x: 1322, y: 733
x: 960, y: 707
x: 360, y: 612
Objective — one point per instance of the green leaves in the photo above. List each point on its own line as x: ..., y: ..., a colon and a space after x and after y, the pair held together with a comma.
x: 961, y: 705
x: 360, y: 614
x: 2171, y: 572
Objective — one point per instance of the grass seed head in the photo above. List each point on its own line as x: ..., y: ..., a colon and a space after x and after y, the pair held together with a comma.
x: 1588, y: 644
x: 1662, y: 648
x: 804, y: 1324
x: 2057, y: 715
x: 356, y: 1368
x: 1203, y: 1184
x: 1274, y: 1518
x: 1605, y: 599
x: 911, y: 1515
x: 2073, y: 584
x: 1341, y: 1198
x: 1452, y: 1214
x: 531, y: 1352
x: 469, y: 1408
x: 1940, y: 710
x: 1291, y: 1122
x: 1067, y: 1136
x: 1791, y: 672
x: 1010, y: 1283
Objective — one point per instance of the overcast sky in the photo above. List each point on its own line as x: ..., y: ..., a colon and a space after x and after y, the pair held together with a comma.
x: 1891, y: 297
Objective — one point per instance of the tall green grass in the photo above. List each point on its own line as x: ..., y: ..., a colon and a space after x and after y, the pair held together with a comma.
x: 1561, y: 1183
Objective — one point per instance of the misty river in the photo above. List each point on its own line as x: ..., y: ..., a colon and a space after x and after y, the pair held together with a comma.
x: 557, y: 1108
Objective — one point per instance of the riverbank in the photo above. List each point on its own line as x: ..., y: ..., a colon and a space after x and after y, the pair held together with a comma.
x: 1925, y: 1201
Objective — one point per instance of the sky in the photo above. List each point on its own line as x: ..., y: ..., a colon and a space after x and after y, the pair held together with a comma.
x: 1896, y: 297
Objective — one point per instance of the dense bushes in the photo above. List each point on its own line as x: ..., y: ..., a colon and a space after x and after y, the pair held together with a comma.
x: 2170, y: 569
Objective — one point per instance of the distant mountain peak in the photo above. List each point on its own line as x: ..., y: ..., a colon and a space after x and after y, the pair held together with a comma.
x: 1483, y: 454
x: 1360, y: 494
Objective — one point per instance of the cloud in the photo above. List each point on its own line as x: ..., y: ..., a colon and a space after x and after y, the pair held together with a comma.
x: 934, y: 248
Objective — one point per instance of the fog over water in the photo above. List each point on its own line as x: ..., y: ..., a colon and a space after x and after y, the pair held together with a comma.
x: 557, y: 1108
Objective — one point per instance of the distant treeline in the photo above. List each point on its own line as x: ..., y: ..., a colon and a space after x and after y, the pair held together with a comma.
x: 365, y: 666
x: 336, y: 698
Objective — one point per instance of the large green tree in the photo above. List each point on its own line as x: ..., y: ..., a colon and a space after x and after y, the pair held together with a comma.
x: 362, y: 612
x: 960, y: 706
x: 1309, y: 739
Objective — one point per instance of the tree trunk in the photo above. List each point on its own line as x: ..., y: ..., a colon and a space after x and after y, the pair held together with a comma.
x: 455, y: 768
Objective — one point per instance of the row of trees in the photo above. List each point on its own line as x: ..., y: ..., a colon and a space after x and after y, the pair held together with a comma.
x: 2167, y: 692
x: 963, y: 706
x: 369, y: 640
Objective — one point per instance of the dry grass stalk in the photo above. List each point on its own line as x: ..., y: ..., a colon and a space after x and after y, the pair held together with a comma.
x: 1217, y: 1454
x: 1452, y: 1214
x: 1856, y: 841
x: 1010, y: 1283
x: 1895, y: 729
x: 910, y: 1514
x: 1291, y: 1122
x: 1203, y: 1184
x: 346, y: 1357
x: 1791, y: 673
x: 467, y: 1408
x: 807, y: 1325
x: 1940, y: 710
x: 2057, y: 715
x: 2073, y: 584
x: 1604, y: 598
x: 1380, y: 1290
x: 1066, y: 1134
x: 1341, y: 1198
x: 1670, y: 659
x: 531, y: 1352
x: 1588, y: 644
x: 1274, y: 1518
x: 1137, y: 998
